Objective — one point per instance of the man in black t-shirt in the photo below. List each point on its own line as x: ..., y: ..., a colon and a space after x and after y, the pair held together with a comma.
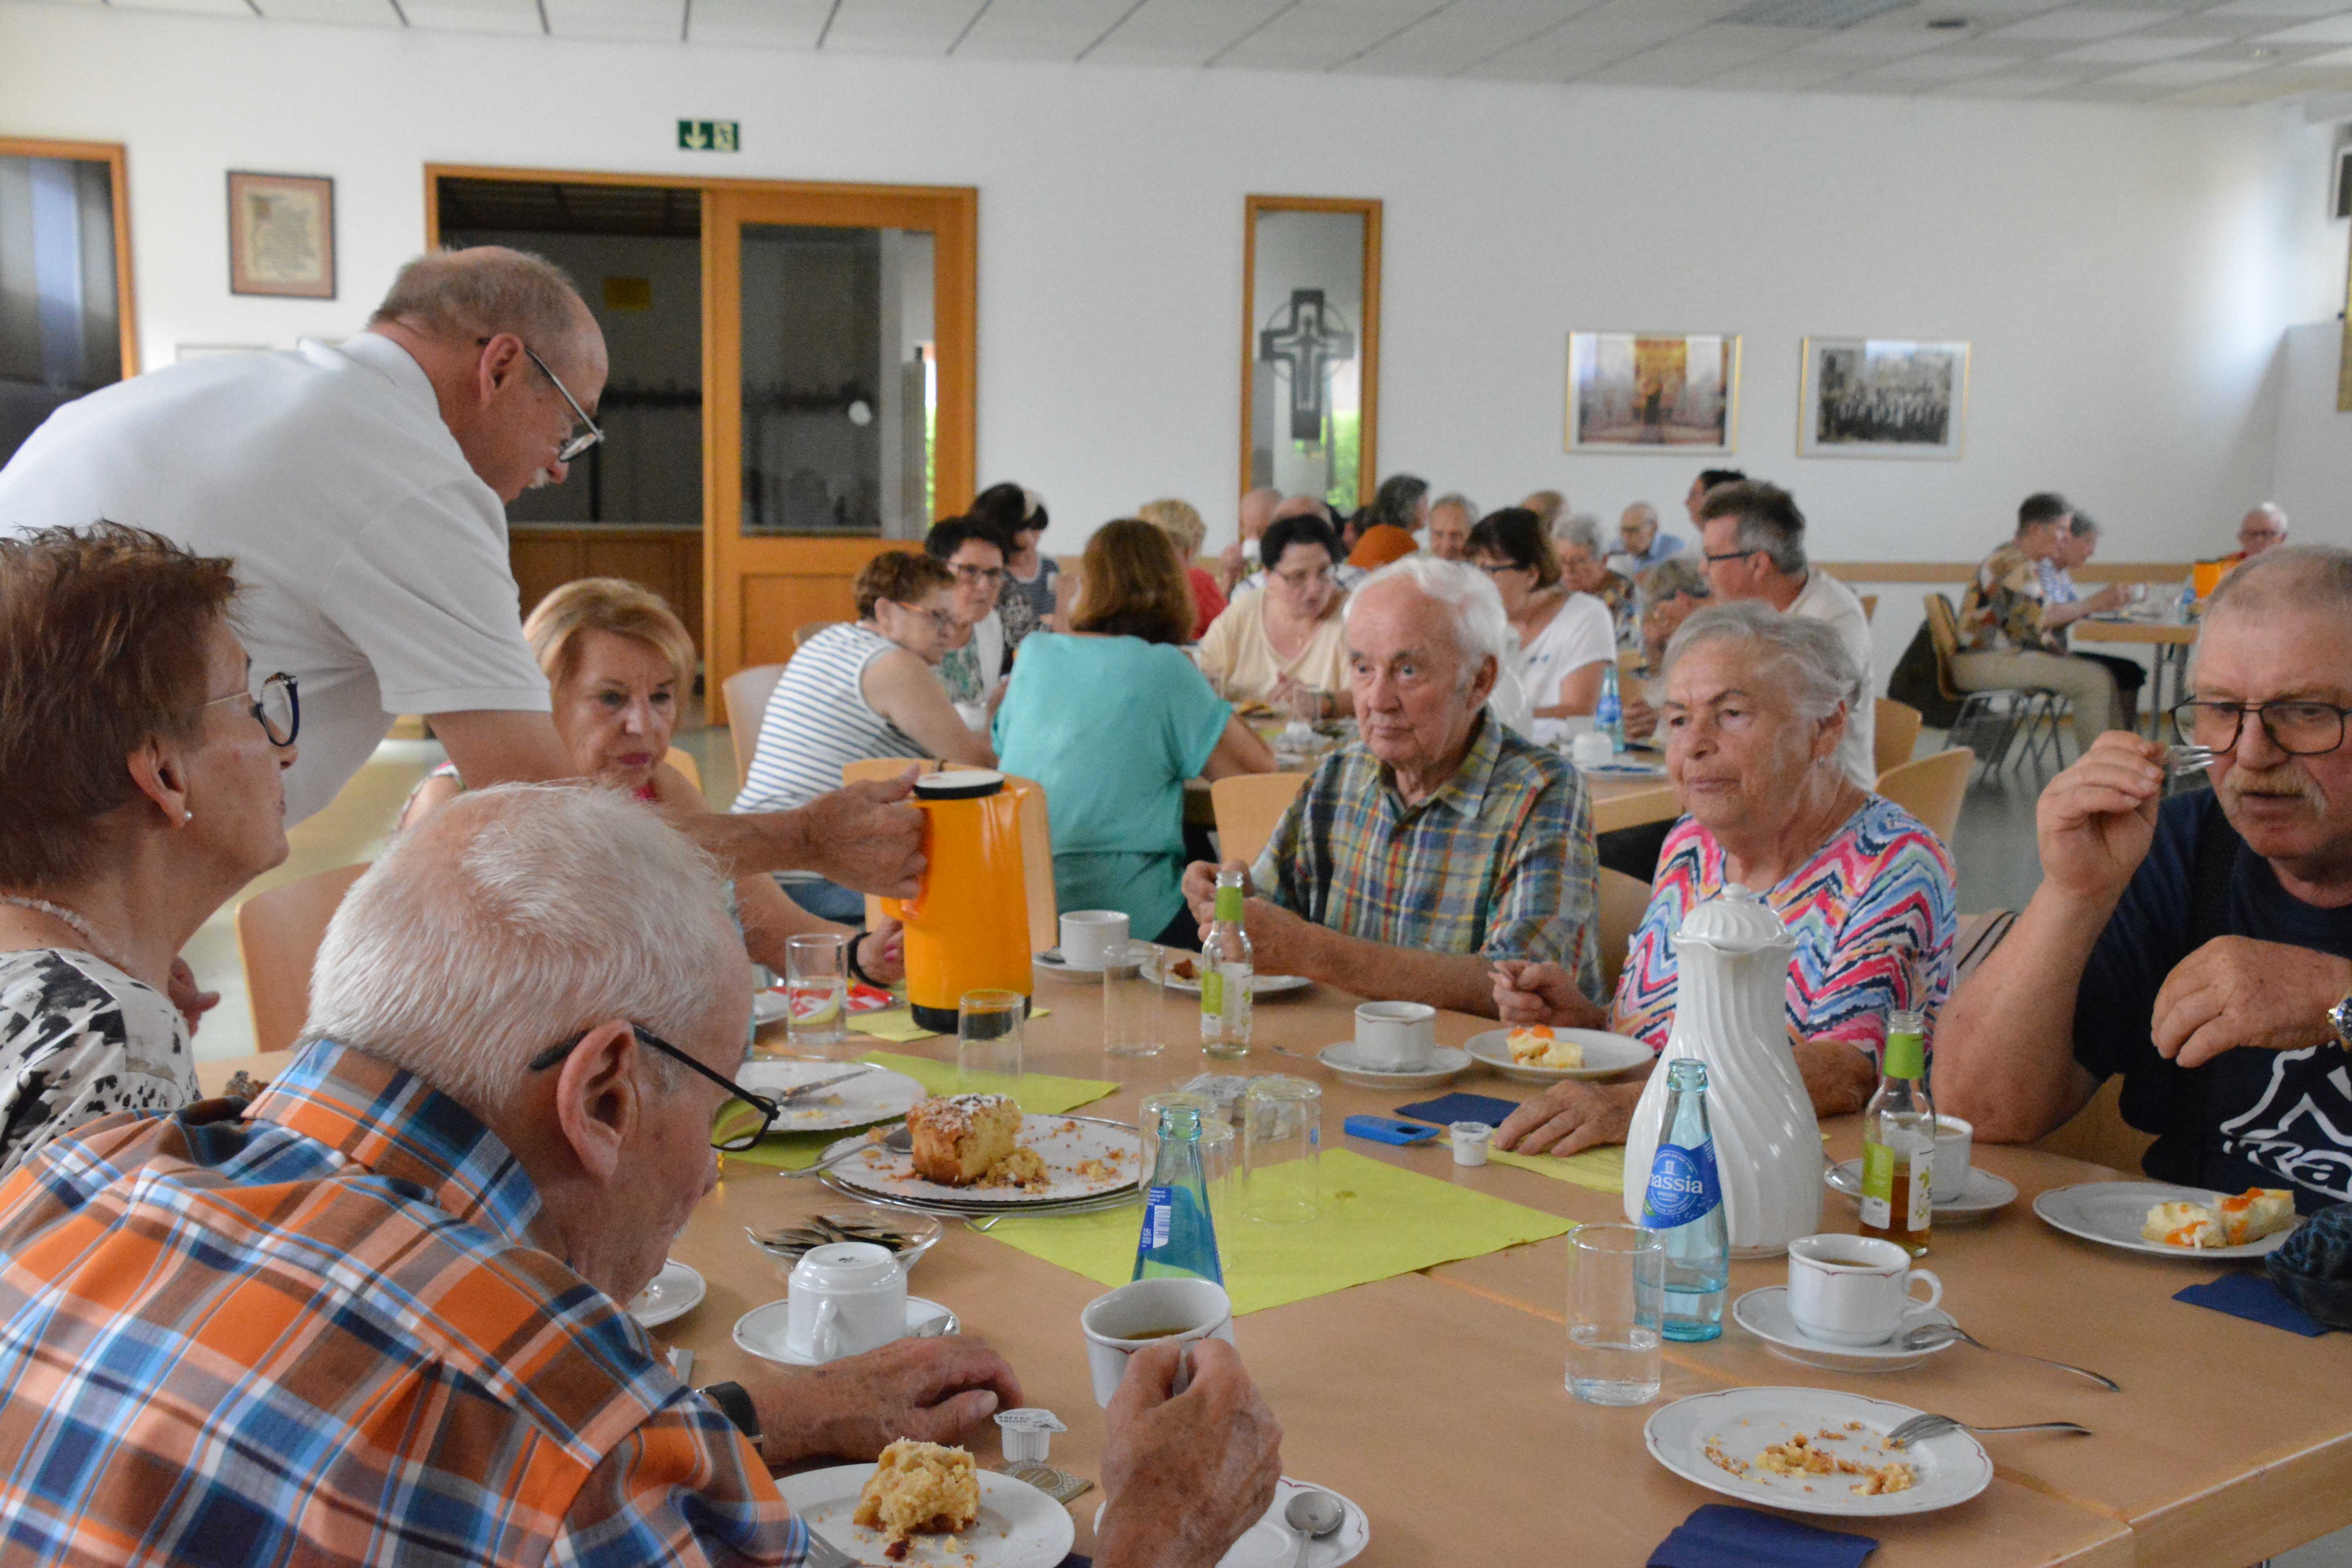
x: 2200, y: 946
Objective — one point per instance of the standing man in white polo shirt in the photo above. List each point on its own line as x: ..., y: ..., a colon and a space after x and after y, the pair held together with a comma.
x: 1754, y: 540
x: 361, y: 488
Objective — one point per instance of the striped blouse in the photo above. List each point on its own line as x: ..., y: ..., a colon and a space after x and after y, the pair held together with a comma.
x: 1872, y: 913
x: 819, y: 719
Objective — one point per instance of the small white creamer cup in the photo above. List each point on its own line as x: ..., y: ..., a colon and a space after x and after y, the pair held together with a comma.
x: 1472, y: 1139
x: 1112, y: 1321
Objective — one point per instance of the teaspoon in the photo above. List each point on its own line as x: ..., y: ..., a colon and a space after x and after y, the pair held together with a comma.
x: 1315, y: 1515
x: 1928, y: 1336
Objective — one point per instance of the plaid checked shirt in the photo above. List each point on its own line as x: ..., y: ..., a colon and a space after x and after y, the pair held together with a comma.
x: 1499, y: 862
x: 337, y: 1331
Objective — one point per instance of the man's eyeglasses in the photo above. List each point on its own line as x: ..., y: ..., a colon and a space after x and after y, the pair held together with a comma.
x: 586, y: 434
x: 743, y: 1121
x: 1730, y: 555
x: 2299, y: 728
x: 276, y: 705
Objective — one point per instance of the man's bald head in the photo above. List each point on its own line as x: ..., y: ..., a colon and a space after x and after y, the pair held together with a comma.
x: 459, y: 296
x: 1257, y: 510
x: 1303, y: 506
x: 2291, y: 577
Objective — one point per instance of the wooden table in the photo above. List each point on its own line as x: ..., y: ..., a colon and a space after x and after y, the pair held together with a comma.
x: 1436, y: 1399
x: 2169, y: 641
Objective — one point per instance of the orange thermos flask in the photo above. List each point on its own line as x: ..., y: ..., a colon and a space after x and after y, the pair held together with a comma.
x: 968, y: 929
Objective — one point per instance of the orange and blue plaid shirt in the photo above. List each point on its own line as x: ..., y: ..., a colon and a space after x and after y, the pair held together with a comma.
x: 1499, y: 861
x: 338, y: 1329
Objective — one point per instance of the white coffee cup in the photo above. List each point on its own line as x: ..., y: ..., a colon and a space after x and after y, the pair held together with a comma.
x: 1090, y: 936
x: 1124, y: 1321
x: 1396, y: 1036
x: 847, y: 1298
x: 1854, y: 1290
x: 1591, y: 750
x: 1951, y: 1177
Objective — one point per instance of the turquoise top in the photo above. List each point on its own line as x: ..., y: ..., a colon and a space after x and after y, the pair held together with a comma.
x: 1111, y: 727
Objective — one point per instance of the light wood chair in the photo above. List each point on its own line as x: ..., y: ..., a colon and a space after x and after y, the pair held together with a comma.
x: 2010, y: 712
x: 1623, y: 902
x: 1036, y: 845
x: 2099, y: 1134
x: 1249, y: 805
x: 1869, y: 606
x: 747, y: 693
x: 1931, y: 789
x: 1894, y: 734
x: 807, y: 629
x: 683, y: 760
x: 277, y: 936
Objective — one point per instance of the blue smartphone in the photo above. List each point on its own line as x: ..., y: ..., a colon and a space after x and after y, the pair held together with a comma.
x: 1388, y: 1130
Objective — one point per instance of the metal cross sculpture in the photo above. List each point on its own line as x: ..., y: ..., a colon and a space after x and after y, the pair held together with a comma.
x: 1308, y: 340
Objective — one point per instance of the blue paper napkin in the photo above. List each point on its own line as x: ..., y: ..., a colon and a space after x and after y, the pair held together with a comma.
x: 1721, y: 1536
x: 1451, y: 1108
x: 2253, y: 1298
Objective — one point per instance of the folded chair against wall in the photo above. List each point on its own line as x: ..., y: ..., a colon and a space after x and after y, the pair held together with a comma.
x: 278, y: 937
x: 1996, y: 716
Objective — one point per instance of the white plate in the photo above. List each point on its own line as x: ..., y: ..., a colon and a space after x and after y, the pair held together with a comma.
x: 760, y: 1330
x: 675, y: 1291
x: 1605, y: 1055
x: 1018, y: 1527
x: 768, y: 1005
x: 876, y: 1094
x: 1949, y: 1467
x: 1983, y: 1193
x: 1765, y: 1314
x: 1270, y: 1544
x: 1051, y: 962
x: 1260, y: 984
x: 2112, y: 1212
x: 1623, y: 770
x: 1448, y: 1063
x: 1063, y: 1142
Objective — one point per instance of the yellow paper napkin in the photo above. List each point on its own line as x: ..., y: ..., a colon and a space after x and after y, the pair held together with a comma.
x: 898, y: 1025
x: 1601, y: 1169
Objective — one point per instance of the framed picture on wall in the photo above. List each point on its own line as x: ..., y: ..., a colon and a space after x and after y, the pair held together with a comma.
x: 1637, y: 392
x: 1882, y: 397
x: 281, y: 235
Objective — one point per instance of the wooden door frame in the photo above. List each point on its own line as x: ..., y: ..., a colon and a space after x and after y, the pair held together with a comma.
x: 1369, y: 377
x: 118, y: 164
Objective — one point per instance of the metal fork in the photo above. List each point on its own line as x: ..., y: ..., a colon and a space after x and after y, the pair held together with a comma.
x: 901, y: 1142
x: 1923, y: 1426
x: 2181, y: 761
x: 824, y: 1553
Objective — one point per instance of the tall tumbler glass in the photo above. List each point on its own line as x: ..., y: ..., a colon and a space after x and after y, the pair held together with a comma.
x: 1616, y: 1309
x: 816, y: 991
x: 1282, y: 1141
x: 1132, y: 976
x: 988, y: 1041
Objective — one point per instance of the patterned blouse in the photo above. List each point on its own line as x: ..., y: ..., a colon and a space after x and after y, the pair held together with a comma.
x: 2002, y: 611
x: 1872, y: 913
x: 80, y: 1039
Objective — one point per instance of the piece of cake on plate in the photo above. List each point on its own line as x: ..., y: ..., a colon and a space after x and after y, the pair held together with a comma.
x: 958, y: 1137
x: 2182, y: 1225
x: 1538, y: 1046
x: 2251, y: 1215
x: 919, y: 1488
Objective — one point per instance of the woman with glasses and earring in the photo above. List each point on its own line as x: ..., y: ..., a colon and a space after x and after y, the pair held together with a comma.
x: 974, y: 668
x: 1286, y: 647
x: 868, y: 688
x: 140, y: 763
x: 1566, y: 638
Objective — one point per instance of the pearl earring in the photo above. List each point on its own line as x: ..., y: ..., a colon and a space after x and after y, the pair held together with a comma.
x: 186, y: 817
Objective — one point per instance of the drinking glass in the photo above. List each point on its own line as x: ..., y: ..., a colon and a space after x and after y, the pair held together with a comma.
x: 816, y: 991
x: 1132, y: 977
x: 1147, y: 1122
x: 1217, y: 1141
x: 988, y: 1039
x: 1616, y: 1309
x: 1282, y: 1138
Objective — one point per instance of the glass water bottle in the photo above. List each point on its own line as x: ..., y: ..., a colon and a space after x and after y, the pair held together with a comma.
x: 1684, y: 1205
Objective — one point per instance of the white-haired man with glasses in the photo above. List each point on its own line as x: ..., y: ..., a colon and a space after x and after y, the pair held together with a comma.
x: 2200, y: 946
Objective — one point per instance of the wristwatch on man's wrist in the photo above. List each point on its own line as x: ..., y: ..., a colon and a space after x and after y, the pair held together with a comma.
x: 734, y: 1402
x: 2339, y: 1019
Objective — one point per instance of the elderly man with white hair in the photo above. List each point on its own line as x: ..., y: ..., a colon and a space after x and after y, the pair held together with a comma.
x: 376, y: 1315
x: 2265, y: 527
x: 1641, y: 543
x: 2199, y: 945
x: 1756, y: 705
x: 1441, y: 841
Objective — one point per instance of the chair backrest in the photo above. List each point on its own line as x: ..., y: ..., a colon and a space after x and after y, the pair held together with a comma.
x: 747, y: 693
x: 683, y: 760
x: 1931, y: 789
x: 1249, y: 805
x: 1036, y: 845
x: 807, y: 629
x: 1869, y: 606
x: 277, y: 936
x: 1623, y: 902
x: 2099, y: 1134
x: 1895, y: 733
x: 1944, y: 633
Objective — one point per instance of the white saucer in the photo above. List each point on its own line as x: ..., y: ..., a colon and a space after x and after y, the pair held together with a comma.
x: 1449, y: 1062
x: 760, y: 1330
x: 675, y: 1291
x: 1051, y: 962
x: 1765, y: 1314
x: 1984, y: 1192
x: 1270, y: 1544
x: 1605, y: 1055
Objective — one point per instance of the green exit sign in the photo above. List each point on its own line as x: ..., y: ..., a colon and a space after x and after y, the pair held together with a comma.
x: 708, y: 136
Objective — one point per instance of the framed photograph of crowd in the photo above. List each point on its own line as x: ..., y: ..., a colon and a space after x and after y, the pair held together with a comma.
x: 1637, y: 392
x: 281, y: 235
x: 1882, y: 397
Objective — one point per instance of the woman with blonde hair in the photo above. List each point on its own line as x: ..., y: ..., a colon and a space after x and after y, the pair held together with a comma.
x: 1185, y: 531
x: 621, y: 664
x: 1112, y: 718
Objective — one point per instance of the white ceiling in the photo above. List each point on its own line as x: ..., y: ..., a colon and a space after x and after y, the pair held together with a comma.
x: 2178, y: 51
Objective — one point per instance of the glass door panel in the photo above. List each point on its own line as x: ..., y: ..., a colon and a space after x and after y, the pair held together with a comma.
x: 1310, y: 347
x: 63, y: 281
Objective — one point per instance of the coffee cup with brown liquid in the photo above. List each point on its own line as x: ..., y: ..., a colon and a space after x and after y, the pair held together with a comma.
x: 1124, y: 1320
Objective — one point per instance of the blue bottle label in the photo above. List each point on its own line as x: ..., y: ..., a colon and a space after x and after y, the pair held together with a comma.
x: 1683, y: 1186
x: 1159, y: 1215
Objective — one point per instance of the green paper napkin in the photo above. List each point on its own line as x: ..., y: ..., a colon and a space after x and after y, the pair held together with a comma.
x: 898, y: 1025
x: 1601, y: 1169
x: 1037, y: 1094
x: 1377, y: 1221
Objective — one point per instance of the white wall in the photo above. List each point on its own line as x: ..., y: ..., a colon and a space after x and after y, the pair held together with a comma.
x: 2124, y: 273
x: 2312, y: 477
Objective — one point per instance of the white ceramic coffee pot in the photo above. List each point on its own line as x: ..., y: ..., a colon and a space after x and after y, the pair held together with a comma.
x: 1732, y: 961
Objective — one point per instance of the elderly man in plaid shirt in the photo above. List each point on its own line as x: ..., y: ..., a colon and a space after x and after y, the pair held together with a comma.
x: 375, y: 1316
x: 1441, y: 840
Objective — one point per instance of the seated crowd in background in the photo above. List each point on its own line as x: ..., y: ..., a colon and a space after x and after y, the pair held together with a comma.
x: 1450, y: 518
x: 978, y: 654
x: 2012, y: 636
x: 1392, y: 523
x: 1584, y: 563
x: 1181, y: 523
x: 1283, y: 642
x: 1034, y: 594
x: 1564, y: 639
x: 1641, y: 543
x: 2063, y: 603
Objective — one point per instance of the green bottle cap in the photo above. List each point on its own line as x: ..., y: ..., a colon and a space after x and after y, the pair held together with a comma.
x: 1906, y: 1054
x: 1229, y: 904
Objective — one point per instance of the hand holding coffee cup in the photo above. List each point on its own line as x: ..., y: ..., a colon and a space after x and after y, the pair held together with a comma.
x: 1396, y: 1036
x: 1125, y: 1321
x: 846, y: 1298
x: 1854, y: 1290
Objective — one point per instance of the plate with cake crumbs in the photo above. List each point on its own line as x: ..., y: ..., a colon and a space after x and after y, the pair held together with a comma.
x: 1184, y: 974
x: 876, y: 1094
x: 1017, y: 1526
x: 1815, y: 1450
x: 1052, y: 1160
